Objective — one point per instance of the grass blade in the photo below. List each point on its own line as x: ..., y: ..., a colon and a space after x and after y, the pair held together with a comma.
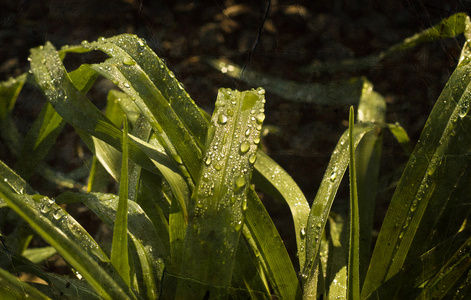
x: 322, y: 204
x: 74, y: 244
x: 331, y: 93
x: 13, y: 288
x: 281, y: 186
x: 119, y: 246
x: 371, y: 109
x: 268, y: 247
x: 422, y: 200
x: 353, y: 286
x: 218, y: 206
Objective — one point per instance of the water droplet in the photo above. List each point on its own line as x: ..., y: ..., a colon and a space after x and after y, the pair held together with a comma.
x: 240, y: 182
x: 333, y: 175
x: 238, y: 226
x: 256, y: 140
x: 261, y: 91
x: 84, y: 43
x: 401, y: 235
x: 141, y: 43
x: 218, y: 167
x: 260, y: 117
x: 464, y: 109
x: 303, y: 232
x: 126, y: 85
x: 222, y: 119
x: 247, y: 132
x: 129, y: 61
x: 244, y: 204
x: 244, y: 147
x: 5, y: 179
x: 208, y: 160
x: 252, y: 158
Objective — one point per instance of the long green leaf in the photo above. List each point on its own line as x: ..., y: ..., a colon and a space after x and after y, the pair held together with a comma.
x: 423, y: 199
x: 331, y: 93
x: 268, y: 247
x: 322, y: 204
x: 216, y: 214
x: 119, y: 246
x: 12, y: 288
x: 274, y: 180
x: 61, y: 231
x: 354, y: 244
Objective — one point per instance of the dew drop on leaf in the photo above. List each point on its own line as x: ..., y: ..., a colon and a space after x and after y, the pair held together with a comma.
x: 222, y: 119
x: 252, y: 158
x: 240, y: 182
x: 244, y: 147
x: 129, y: 61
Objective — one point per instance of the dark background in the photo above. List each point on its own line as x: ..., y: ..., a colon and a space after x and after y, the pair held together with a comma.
x: 294, y: 33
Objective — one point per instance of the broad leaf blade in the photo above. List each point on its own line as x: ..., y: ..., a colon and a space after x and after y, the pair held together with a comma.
x: 119, y: 246
x: 74, y: 244
x: 322, y: 204
x: 218, y: 206
x: 423, y: 199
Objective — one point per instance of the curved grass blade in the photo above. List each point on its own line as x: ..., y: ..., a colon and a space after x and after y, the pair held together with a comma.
x: 217, y: 209
x: 331, y: 93
x: 422, y: 199
x: 353, y: 285
x: 322, y: 204
x: 9, y: 91
x: 152, y: 247
x: 144, y: 84
x: 449, y: 27
x: 119, y: 245
x: 273, y: 180
x: 75, y: 108
x: 73, y: 243
x: 411, y: 280
x: 12, y: 288
x: 266, y: 243
x: 59, y: 286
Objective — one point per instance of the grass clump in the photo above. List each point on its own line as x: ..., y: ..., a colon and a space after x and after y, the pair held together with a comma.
x: 187, y: 222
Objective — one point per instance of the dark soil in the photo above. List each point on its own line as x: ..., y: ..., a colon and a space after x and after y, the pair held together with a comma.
x: 294, y: 33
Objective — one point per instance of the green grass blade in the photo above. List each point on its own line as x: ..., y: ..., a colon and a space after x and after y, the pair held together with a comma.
x: 152, y: 247
x: 71, y: 241
x: 217, y: 209
x: 12, y: 288
x: 119, y: 246
x: 322, y: 204
x: 75, y: 108
x: 59, y: 286
x: 272, y: 179
x: 354, y: 244
x: 39, y: 140
x: 372, y: 108
x: 9, y: 91
x: 336, y: 271
x: 448, y: 27
x: 266, y: 243
x: 172, y: 131
x: 331, y: 93
x: 423, y: 200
